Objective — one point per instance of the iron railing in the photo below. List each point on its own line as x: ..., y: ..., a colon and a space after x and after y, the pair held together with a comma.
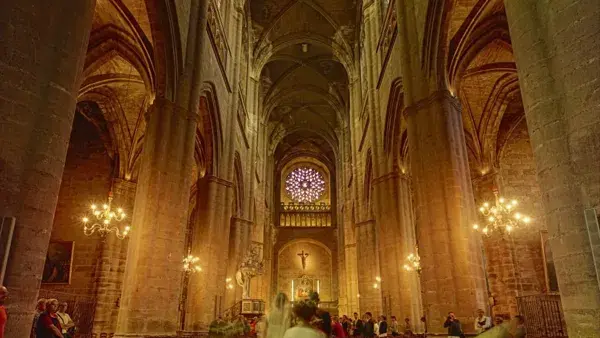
x: 305, y: 215
x: 543, y: 316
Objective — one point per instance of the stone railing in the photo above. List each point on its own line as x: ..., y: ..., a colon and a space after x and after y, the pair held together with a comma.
x: 305, y: 215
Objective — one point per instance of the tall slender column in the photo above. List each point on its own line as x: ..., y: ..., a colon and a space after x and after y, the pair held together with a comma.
x: 110, y: 271
x: 42, y: 50
x: 499, y: 267
x: 393, y: 210
x: 239, y: 242
x: 556, y: 47
x: 368, y: 267
x: 210, y: 244
x: 156, y: 245
x: 452, y: 277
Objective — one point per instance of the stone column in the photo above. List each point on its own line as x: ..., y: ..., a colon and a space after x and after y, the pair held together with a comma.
x: 556, y: 48
x: 368, y: 267
x: 500, y: 277
x: 156, y: 245
x: 111, y: 266
x: 42, y: 51
x: 452, y: 277
x: 239, y: 242
x: 394, y: 211
x: 210, y: 244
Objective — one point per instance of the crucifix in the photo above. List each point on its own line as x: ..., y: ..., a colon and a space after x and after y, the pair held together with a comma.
x: 303, y: 257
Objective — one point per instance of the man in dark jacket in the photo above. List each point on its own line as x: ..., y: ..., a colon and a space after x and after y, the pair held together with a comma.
x: 358, y: 326
x: 369, y: 328
x: 453, y: 325
x: 383, y: 327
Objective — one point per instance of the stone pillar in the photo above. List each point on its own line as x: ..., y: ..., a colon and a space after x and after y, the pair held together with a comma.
x: 156, y: 245
x: 452, y: 277
x: 368, y: 267
x: 556, y: 48
x: 42, y: 51
x: 393, y: 211
x: 498, y: 258
x: 111, y: 266
x: 210, y: 244
x: 239, y: 243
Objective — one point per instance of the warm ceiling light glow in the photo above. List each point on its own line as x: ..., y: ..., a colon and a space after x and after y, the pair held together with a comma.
x: 305, y: 185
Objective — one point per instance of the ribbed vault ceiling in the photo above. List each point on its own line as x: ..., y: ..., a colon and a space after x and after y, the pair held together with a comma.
x: 305, y: 45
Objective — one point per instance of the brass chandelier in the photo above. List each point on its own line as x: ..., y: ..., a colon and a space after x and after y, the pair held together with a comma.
x: 105, y: 220
x: 413, y: 261
x: 500, y: 217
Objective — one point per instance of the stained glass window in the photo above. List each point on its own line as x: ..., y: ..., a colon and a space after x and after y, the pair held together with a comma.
x: 305, y: 185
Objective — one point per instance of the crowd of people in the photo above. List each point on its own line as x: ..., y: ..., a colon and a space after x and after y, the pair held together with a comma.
x: 51, y: 319
x: 303, y: 319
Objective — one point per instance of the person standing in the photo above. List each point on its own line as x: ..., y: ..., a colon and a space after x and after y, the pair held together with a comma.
x: 358, y: 326
x: 383, y: 327
x: 407, y: 327
x: 453, y: 325
x: 48, y: 325
x: 3, y: 315
x: 65, y: 320
x: 337, y: 329
x: 369, y: 328
x: 482, y: 322
x: 39, y: 309
x: 346, y: 325
x: 323, y: 317
x: 304, y: 312
x: 279, y: 318
x: 394, y: 327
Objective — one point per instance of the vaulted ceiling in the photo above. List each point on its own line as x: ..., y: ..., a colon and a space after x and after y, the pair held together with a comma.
x: 304, y: 49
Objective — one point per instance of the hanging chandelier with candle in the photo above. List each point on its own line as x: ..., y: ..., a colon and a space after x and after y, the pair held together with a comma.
x: 413, y: 262
x: 104, y: 220
x: 501, y: 217
x: 191, y: 264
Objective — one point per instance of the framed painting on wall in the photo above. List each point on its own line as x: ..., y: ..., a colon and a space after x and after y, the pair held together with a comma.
x: 549, y: 269
x: 59, y: 260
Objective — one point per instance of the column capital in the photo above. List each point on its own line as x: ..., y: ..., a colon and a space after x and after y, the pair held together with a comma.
x: 163, y: 104
x: 488, y: 176
x: 442, y: 96
x: 220, y: 181
x: 123, y: 184
x: 365, y: 222
x: 391, y: 176
x: 242, y: 221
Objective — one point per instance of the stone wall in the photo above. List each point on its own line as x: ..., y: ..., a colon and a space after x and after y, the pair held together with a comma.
x: 515, y: 263
x: 325, y: 236
x: 319, y: 266
x: 86, y: 179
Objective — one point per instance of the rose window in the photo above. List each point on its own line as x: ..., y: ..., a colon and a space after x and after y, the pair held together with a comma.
x: 305, y: 185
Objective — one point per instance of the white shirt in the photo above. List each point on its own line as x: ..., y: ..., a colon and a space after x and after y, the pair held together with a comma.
x: 303, y: 332
x: 480, y: 328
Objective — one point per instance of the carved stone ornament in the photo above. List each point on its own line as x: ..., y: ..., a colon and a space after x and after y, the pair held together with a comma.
x: 251, y: 266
